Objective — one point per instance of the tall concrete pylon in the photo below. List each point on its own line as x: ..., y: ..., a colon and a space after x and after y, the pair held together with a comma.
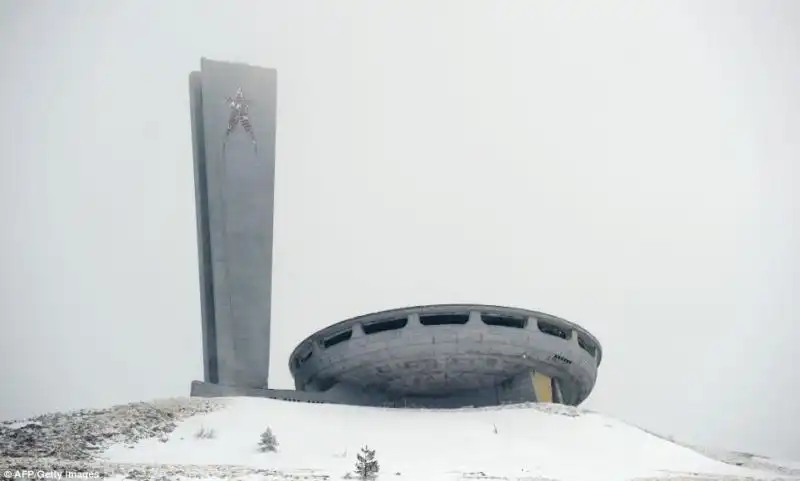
x: 233, y: 111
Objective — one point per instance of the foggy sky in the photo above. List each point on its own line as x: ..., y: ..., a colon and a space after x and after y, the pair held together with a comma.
x: 630, y: 166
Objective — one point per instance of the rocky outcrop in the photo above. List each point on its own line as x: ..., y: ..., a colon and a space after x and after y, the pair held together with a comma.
x: 79, y: 435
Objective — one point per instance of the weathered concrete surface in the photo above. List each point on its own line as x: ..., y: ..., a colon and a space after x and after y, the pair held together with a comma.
x: 518, y: 390
x: 234, y: 197
x: 467, y: 362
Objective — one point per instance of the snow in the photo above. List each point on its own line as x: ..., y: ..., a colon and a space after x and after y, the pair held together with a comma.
x: 536, y: 441
x: 753, y: 461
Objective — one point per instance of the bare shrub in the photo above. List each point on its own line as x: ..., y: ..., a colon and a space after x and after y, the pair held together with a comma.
x: 204, y: 433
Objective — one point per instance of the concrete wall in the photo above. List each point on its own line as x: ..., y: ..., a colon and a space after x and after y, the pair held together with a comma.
x: 518, y: 391
x: 416, y: 355
x: 211, y: 390
x: 234, y: 199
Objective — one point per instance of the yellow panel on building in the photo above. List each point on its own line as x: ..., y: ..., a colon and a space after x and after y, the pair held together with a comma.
x: 543, y: 387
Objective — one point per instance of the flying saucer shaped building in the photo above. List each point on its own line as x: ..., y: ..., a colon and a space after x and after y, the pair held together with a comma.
x: 437, y: 356
x: 449, y: 356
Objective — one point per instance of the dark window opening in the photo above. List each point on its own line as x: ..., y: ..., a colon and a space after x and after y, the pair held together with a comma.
x: 303, y: 358
x: 586, y: 346
x: 443, y: 319
x: 338, y: 338
x: 559, y: 357
x: 383, y: 326
x: 504, y: 321
x: 552, y: 329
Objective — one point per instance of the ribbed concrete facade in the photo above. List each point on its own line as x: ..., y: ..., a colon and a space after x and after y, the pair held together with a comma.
x: 449, y: 356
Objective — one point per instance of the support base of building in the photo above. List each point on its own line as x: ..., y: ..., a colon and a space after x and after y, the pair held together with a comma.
x: 211, y: 390
x: 518, y: 391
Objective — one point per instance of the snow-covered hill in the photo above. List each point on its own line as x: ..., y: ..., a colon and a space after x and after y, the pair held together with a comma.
x: 524, y: 442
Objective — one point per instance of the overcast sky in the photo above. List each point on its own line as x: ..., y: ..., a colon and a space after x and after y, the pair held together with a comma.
x: 630, y: 166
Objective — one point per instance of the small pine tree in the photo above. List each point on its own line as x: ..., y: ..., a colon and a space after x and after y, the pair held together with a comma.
x: 268, y: 443
x: 366, y: 465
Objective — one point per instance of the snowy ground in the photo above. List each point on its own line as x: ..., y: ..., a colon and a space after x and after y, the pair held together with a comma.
x: 528, y: 442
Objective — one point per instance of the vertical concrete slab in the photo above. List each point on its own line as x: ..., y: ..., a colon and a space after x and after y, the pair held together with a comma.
x: 234, y: 182
x: 557, y: 397
x: 203, y: 240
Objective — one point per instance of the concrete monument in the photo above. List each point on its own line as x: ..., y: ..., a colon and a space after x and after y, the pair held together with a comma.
x: 234, y: 159
x: 439, y: 356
